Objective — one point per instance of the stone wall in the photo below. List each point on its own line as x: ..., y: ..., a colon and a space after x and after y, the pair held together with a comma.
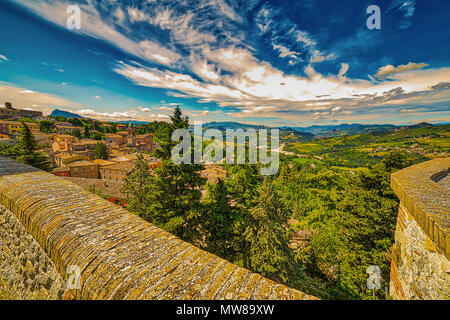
x: 117, y: 255
x: 420, y: 268
x: 26, y: 272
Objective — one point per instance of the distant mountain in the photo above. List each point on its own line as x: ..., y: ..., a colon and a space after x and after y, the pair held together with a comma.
x: 222, y: 126
x: 345, y: 129
x: 133, y: 122
x: 231, y: 125
x: 65, y: 114
x: 422, y: 125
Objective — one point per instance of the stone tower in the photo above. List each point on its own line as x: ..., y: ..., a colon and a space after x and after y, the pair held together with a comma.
x: 131, y: 139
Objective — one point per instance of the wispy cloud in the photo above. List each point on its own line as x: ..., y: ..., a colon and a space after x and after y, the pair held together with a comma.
x: 389, y: 69
x: 26, y: 98
x: 3, y: 58
x: 201, y: 50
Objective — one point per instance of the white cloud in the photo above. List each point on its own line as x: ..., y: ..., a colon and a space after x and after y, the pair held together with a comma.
x: 343, y: 70
x: 285, y: 52
x: 94, y: 26
x: 2, y: 57
x: 205, y: 60
x: 389, y: 69
x: 24, y: 98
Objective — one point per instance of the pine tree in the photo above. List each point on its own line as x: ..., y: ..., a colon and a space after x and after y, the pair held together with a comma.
x: 25, y: 151
x: 137, y: 188
x: 267, y: 236
x: 243, y: 183
x: 218, y: 220
x: 100, y: 151
x: 27, y: 143
x: 175, y: 188
x: 164, y: 136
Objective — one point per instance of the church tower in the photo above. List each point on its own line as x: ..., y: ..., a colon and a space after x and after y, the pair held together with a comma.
x: 131, y: 134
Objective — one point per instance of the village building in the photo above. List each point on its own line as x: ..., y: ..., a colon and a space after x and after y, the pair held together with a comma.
x: 61, y: 172
x: 63, y: 159
x: 61, y: 142
x: 117, y: 172
x: 44, y: 118
x: 126, y: 142
x: 123, y: 158
x: 8, y: 112
x: 121, y: 126
x: 115, y: 139
x: 14, y: 128
x: 101, y: 162
x: 144, y: 142
x: 83, y: 169
x: 66, y: 127
x: 84, y: 147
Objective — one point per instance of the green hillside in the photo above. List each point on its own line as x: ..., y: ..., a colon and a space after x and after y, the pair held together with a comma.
x: 423, y: 140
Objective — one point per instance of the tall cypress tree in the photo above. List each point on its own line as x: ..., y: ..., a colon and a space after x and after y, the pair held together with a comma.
x: 217, y: 222
x: 175, y: 188
x: 267, y: 236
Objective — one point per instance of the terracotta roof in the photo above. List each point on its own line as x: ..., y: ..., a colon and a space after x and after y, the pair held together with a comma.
x: 144, y: 135
x: 102, y: 162
x: 68, y: 127
x: 113, y: 136
x: 18, y: 123
x: 64, y: 155
x: 123, y: 166
x: 88, y: 141
x: 81, y: 163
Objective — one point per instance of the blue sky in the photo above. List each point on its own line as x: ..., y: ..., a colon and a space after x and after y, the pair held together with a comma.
x: 279, y: 62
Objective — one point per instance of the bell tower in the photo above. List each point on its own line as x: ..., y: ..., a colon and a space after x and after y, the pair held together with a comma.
x: 131, y: 134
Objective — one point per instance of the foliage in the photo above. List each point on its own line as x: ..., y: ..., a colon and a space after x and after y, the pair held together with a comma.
x: 76, y: 133
x: 25, y: 151
x: 100, y: 151
x: 360, y: 150
x: 339, y: 194
x: 86, y: 131
x: 216, y: 223
x: 75, y: 122
x: 175, y: 188
x: 266, y: 233
x: 137, y: 187
x: 46, y: 126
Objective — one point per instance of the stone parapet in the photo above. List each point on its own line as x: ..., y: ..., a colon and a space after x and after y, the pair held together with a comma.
x: 427, y: 200
x: 420, y: 268
x: 119, y: 255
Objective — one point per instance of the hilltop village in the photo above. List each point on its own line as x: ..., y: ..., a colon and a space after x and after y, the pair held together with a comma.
x: 98, y: 155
